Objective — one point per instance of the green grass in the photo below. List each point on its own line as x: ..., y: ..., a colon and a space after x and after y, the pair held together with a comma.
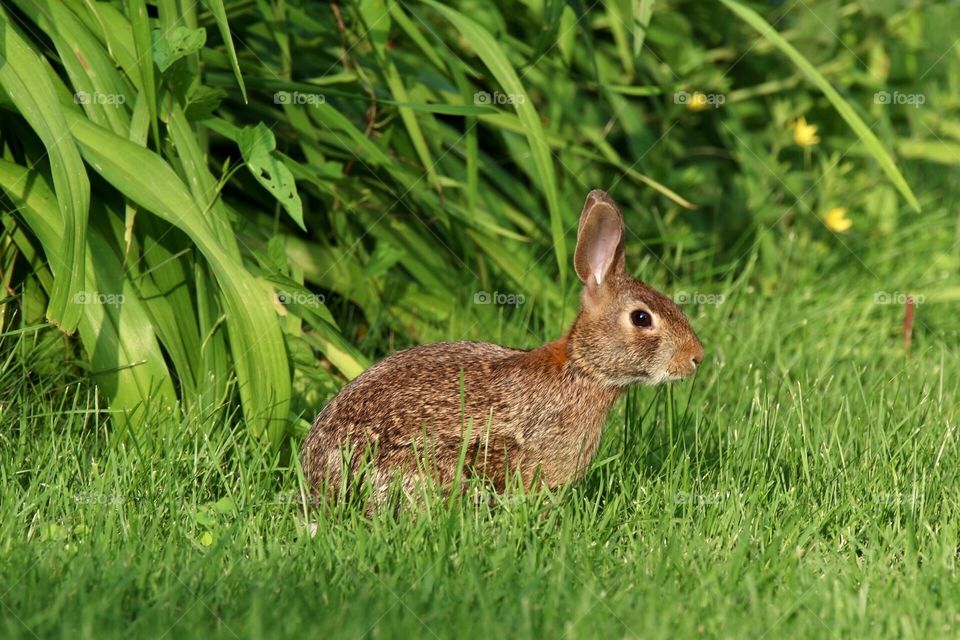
x: 805, y: 483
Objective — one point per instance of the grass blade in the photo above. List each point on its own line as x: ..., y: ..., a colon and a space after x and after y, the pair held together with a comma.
x: 496, y: 61
x: 220, y: 17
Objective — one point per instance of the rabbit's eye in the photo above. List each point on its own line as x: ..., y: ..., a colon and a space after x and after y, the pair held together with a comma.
x: 640, y: 318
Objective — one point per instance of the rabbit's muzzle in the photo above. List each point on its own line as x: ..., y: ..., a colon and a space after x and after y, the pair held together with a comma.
x: 686, y: 360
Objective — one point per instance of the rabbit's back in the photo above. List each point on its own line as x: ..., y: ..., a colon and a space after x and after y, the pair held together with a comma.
x: 419, y: 398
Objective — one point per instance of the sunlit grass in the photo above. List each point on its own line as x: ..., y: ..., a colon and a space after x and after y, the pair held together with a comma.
x: 804, y: 484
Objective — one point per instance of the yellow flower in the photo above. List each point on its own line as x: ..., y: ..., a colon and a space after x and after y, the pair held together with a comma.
x: 836, y: 219
x: 804, y: 134
x: 698, y: 101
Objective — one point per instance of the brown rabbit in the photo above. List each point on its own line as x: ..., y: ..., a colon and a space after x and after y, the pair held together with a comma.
x: 538, y: 413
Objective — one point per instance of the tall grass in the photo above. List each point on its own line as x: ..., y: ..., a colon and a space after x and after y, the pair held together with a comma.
x: 215, y: 195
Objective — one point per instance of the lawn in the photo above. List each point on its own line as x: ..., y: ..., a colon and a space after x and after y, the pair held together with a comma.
x: 803, y: 484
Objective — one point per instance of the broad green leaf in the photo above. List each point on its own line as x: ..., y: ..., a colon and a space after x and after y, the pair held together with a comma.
x: 181, y: 41
x: 258, y: 147
x: 108, y: 23
x: 225, y: 506
x: 202, y: 184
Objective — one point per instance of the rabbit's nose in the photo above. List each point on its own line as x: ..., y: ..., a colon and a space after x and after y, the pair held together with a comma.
x: 686, y: 359
x: 696, y: 356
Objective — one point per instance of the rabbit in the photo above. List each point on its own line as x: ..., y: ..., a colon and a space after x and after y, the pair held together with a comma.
x: 536, y: 413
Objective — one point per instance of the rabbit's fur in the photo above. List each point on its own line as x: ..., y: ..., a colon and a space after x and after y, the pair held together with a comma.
x: 535, y: 413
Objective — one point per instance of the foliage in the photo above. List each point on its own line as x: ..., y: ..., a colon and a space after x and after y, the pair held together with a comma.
x: 216, y: 196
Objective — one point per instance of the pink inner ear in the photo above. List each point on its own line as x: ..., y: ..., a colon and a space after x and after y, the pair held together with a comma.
x: 603, y: 246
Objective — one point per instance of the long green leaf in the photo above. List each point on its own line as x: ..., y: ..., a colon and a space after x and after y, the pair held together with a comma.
x: 115, y: 330
x: 24, y: 77
x: 496, y: 61
x: 220, y: 17
x: 96, y: 85
x: 143, y: 43
x: 256, y: 342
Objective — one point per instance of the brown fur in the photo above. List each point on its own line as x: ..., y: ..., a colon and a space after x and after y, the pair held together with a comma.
x: 538, y: 413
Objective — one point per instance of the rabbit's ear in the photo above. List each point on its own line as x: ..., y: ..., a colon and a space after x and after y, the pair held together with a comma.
x: 600, y: 239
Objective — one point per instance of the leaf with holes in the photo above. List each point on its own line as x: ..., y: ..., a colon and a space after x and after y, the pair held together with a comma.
x: 181, y: 41
x: 257, y: 145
